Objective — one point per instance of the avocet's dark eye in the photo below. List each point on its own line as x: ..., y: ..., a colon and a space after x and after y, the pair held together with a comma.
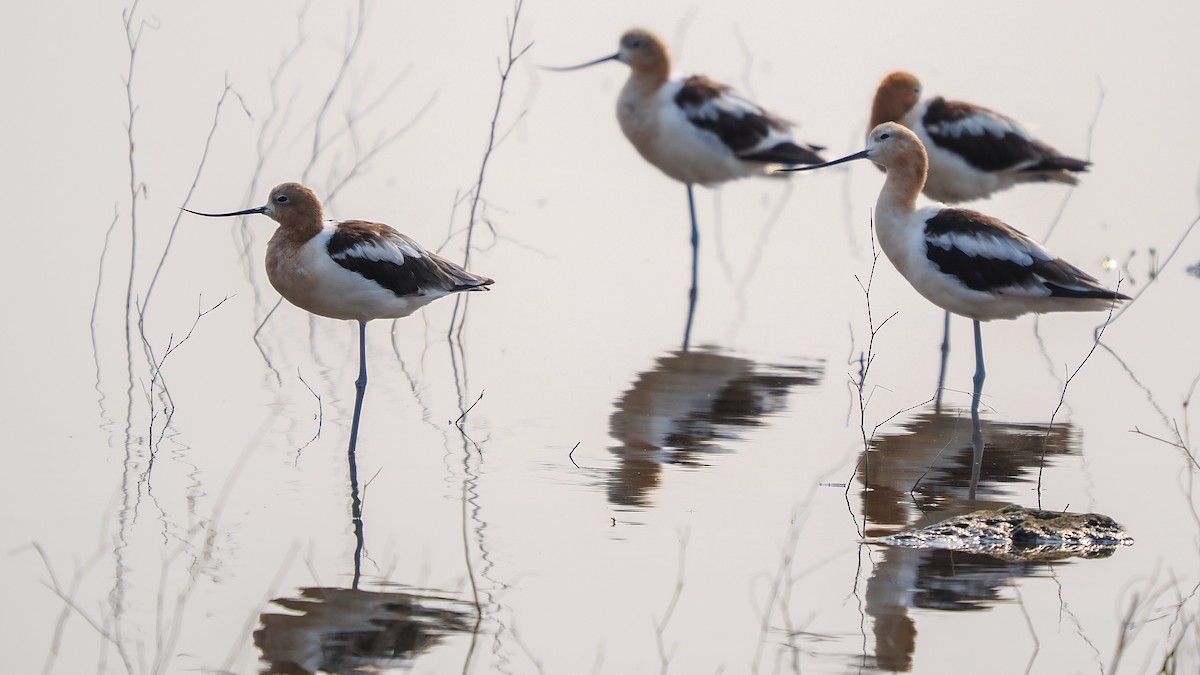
x: 884, y: 136
x: 635, y: 44
x: 281, y: 199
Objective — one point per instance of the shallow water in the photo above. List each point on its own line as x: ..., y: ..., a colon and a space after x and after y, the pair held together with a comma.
x: 177, y: 493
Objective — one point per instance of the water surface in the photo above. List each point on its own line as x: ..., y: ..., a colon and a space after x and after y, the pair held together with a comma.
x: 177, y: 494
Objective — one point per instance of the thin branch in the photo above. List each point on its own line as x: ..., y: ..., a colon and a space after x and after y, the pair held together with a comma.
x: 264, y: 147
x: 56, y: 586
x: 156, y: 372
x: 1171, y: 443
x: 513, y: 55
x: 375, y: 149
x: 1071, y: 192
x: 212, y: 131
x: 1187, y: 231
x: 320, y: 416
x: 354, y: 115
x: 660, y: 626
x: 133, y: 37
x: 1063, y: 395
x: 866, y: 360
x: 459, y: 422
x: 333, y: 88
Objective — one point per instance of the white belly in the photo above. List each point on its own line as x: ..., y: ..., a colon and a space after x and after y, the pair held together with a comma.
x: 664, y: 136
x: 311, y: 280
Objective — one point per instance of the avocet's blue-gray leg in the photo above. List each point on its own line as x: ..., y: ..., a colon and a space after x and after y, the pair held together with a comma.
x: 360, y: 389
x: 941, y: 385
x: 979, y: 372
x: 687, y: 330
x: 360, y: 385
x: 976, y: 428
x: 356, y: 519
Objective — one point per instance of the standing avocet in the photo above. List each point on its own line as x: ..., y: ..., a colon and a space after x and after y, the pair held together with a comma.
x: 351, y: 269
x: 694, y: 129
x: 961, y: 260
x: 973, y: 152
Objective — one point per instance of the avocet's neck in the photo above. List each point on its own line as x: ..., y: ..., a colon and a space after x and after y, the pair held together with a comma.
x: 644, y: 82
x: 637, y: 111
x: 302, y: 220
x: 905, y: 180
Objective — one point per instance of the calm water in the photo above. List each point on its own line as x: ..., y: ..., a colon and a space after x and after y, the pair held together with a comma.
x: 177, y: 494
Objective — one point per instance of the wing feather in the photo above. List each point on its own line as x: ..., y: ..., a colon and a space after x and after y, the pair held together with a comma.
x: 750, y: 131
x: 990, y: 141
x: 987, y: 255
x: 397, y: 262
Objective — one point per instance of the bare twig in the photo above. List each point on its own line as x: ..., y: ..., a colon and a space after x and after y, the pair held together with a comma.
x: 760, y: 246
x: 784, y: 579
x: 1070, y: 192
x: 270, y: 131
x: 660, y: 626
x: 343, y: 68
x: 459, y: 422
x: 525, y: 648
x: 1129, y: 630
x: 212, y: 132
x: 133, y: 37
x: 156, y: 371
x: 513, y: 54
x: 1063, y: 394
x: 56, y: 586
x: 266, y: 142
x: 1175, y: 249
x: 320, y: 416
x: 254, y: 615
x: 354, y: 114
x: 361, y: 159
x: 1171, y: 443
x: 261, y: 350
x: 865, y: 361
x: 166, y: 643
x: 327, y: 138
x: 1187, y: 400
x: 101, y: 630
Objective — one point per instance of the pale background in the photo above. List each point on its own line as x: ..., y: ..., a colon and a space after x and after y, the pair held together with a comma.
x: 173, y: 539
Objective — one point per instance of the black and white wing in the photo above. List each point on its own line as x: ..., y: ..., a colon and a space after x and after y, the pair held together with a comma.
x: 990, y: 141
x: 396, y: 262
x: 751, y: 132
x: 987, y: 255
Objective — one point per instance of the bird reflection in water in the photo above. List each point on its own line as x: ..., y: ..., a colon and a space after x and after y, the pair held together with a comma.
x: 343, y: 630
x: 685, y: 407
x: 933, y: 452
x: 349, y: 630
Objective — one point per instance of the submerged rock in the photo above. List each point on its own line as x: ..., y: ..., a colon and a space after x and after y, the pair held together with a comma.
x: 1016, y: 534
